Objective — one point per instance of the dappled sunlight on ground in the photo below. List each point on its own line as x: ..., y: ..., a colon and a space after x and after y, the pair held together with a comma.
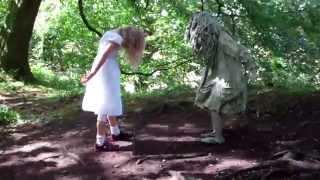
x: 166, y: 145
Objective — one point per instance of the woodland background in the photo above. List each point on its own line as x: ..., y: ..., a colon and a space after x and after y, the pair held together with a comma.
x: 283, y: 37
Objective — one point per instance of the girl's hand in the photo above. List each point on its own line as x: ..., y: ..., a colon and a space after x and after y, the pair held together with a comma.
x: 85, y: 78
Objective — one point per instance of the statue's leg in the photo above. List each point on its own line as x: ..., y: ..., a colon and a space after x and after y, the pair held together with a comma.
x: 212, y: 131
x: 217, y: 124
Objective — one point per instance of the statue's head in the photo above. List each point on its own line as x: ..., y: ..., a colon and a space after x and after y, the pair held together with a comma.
x: 202, y: 33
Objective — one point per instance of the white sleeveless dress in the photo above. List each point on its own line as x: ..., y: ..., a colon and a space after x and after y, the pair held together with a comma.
x: 102, y: 95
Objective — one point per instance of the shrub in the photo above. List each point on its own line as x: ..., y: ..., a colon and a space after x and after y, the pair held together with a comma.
x: 7, y: 116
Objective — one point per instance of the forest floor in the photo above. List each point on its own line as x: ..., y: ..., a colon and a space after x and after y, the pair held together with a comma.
x: 278, y: 138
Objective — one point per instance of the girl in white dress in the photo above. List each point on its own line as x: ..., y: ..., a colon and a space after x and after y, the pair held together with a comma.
x: 102, y: 95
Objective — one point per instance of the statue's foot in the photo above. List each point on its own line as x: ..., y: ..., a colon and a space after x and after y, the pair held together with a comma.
x: 212, y: 140
x: 208, y: 134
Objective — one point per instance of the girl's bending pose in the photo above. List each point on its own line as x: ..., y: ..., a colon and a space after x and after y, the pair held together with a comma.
x: 102, y: 95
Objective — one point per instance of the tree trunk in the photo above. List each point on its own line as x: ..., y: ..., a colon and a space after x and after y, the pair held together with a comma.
x: 15, y: 37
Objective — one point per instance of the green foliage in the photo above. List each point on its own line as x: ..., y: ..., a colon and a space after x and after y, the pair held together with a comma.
x: 167, y: 93
x: 61, y: 84
x: 66, y: 45
x: 63, y: 44
x: 3, y: 27
x: 3, y: 9
x: 282, y: 35
x: 277, y: 73
x: 280, y: 24
x: 8, y: 84
x: 147, y: 98
x: 7, y: 116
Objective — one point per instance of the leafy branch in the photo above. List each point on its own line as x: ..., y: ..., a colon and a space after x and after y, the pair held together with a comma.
x: 162, y: 67
x: 85, y: 20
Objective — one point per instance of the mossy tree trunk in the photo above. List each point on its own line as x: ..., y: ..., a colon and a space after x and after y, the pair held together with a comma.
x: 15, y: 35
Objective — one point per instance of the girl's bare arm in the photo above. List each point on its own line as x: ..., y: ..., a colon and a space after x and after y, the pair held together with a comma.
x: 111, y: 47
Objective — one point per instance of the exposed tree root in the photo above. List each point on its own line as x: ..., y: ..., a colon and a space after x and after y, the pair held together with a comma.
x: 287, y: 164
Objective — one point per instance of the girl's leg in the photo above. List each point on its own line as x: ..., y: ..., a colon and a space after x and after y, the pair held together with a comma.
x: 116, y: 134
x: 101, y: 129
x: 114, y: 125
x: 101, y: 143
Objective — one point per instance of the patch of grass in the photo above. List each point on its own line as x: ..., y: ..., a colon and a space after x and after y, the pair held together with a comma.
x: 143, y: 98
x: 277, y: 73
x: 47, y: 84
x: 291, y: 86
x: 7, y: 115
x: 58, y: 84
x: 8, y: 84
x: 46, y: 96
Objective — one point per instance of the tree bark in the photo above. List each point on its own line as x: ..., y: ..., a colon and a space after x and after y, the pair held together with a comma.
x: 15, y: 38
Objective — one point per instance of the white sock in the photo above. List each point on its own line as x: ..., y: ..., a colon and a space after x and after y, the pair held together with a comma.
x: 100, y: 140
x: 115, y: 130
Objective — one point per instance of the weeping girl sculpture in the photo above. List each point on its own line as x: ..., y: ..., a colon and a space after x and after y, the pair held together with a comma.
x: 223, y: 88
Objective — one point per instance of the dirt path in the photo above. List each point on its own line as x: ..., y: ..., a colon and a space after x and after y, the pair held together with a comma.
x: 165, y: 145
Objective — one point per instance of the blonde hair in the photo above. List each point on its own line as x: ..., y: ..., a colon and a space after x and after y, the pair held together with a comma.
x: 133, y: 43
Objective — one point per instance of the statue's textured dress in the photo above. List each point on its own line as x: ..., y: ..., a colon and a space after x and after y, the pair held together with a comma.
x: 224, y: 84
